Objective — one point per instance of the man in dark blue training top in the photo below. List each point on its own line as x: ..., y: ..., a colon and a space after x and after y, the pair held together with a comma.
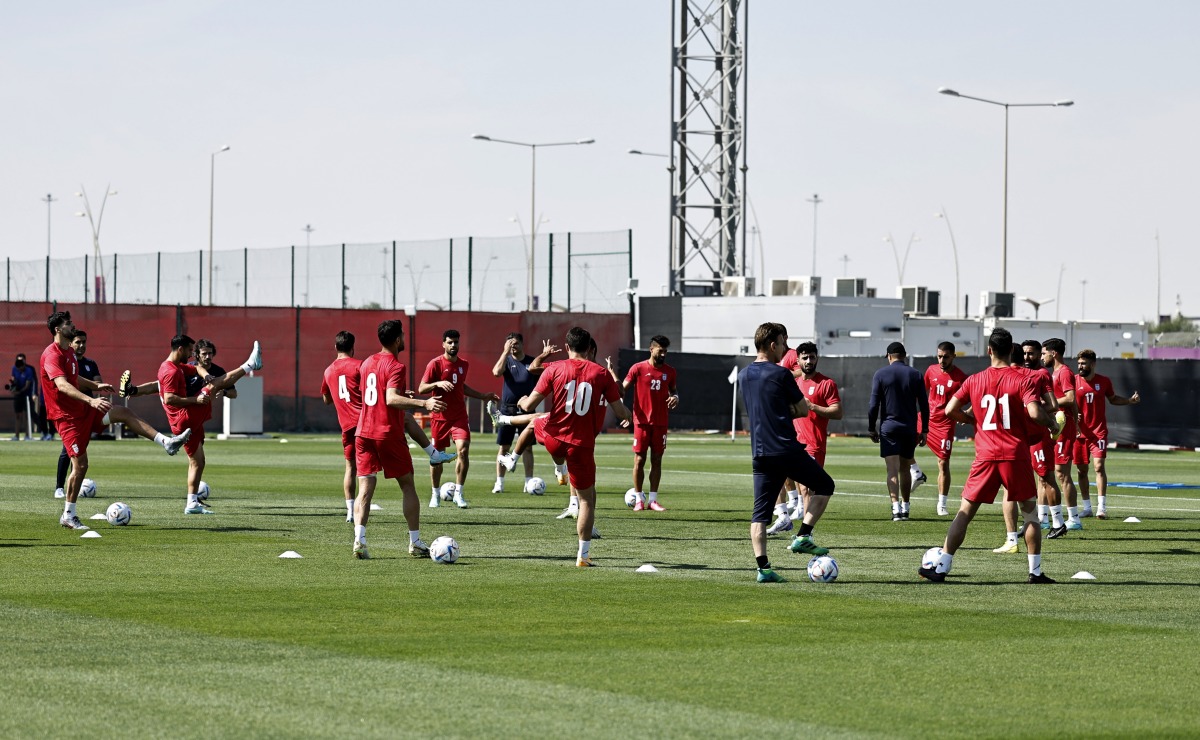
x: 519, y: 380
x: 772, y: 399
x: 897, y: 397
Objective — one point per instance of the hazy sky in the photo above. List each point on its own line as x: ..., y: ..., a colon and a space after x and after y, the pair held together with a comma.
x: 357, y: 118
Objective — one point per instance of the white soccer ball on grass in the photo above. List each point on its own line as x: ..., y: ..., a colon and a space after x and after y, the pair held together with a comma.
x: 87, y: 489
x: 118, y: 514
x: 823, y: 569
x: 202, y: 491
x: 446, y: 492
x: 443, y: 550
x: 931, y: 557
x: 631, y: 497
x: 535, y: 486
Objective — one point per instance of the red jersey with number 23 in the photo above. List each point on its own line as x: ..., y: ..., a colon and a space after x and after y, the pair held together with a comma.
x: 377, y: 373
x: 341, y: 383
x: 997, y: 397
x: 652, y: 386
x: 574, y: 390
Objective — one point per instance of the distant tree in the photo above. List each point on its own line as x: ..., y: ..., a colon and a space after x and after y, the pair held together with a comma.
x: 1178, y: 322
x: 372, y: 306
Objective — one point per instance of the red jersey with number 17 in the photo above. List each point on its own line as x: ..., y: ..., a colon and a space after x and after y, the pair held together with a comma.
x: 652, y: 385
x: 341, y: 383
x: 997, y: 397
x: 455, y: 371
x: 377, y: 373
x: 574, y: 390
x: 1091, y: 396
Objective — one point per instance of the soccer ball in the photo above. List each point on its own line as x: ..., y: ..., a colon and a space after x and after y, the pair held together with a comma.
x: 443, y: 550
x: 931, y: 557
x: 202, y: 491
x: 118, y: 514
x: 446, y: 492
x: 823, y: 569
x: 87, y: 489
x: 535, y: 486
x: 631, y: 497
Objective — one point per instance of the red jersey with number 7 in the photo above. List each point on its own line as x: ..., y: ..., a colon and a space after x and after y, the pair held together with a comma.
x: 377, y: 373
x: 574, y: 390
x: 997, y: 397
x: 341, y: 383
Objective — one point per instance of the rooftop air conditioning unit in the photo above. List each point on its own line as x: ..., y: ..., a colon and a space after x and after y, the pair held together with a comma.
x: 804, y: 285
x: 933, y: 303
x: 779, y: 287
x: 737, y: 286
x: 999, y: 305
x: 851, y: 287
x: 914, y: 298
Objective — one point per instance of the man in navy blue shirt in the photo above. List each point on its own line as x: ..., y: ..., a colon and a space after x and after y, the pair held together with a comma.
x: 772, y: 399
x: 519, y: 380
x: 897, y: 398
x: 22, y: 385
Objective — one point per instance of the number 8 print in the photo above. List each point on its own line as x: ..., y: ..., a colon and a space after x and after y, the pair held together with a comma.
x: 371, y: 393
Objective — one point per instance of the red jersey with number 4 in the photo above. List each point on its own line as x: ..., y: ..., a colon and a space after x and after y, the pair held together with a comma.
x: 57, y: 362
x: 574, y: 391
x: 997, y: 397
x: 455, y: 371
x: 1091, y: 396
x: 940, y: 385
x: 172, y: 378
x: 376, y: 374
x: 812, y: 430
x: 341, y: 383
x: 652, y: 385
x: 1064, y: 380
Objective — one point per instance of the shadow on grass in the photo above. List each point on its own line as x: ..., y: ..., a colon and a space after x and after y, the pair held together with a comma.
x: 227, y: 530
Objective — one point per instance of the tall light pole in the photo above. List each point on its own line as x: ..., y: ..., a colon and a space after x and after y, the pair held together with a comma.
x: 50, y: 199
x: 212, y: 178
x: 816, y: 201
x: 308, y: 230
x: 901, y: 265
x: 1083, y: 300
x: 532, y: 196
x: 1006, y: 106
x: 98, y: 266
x: 954, y: 248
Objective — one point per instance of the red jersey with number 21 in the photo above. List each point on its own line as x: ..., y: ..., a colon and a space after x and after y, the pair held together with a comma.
x: 574, y: 390
x: 376, y: 374
x: 341, y: 383
x: 997, y: 397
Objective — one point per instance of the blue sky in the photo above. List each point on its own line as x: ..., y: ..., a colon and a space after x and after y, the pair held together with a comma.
x: 357, y: 118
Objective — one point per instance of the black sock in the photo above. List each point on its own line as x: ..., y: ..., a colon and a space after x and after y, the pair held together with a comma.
x: 64, y: 463
x: 805, y: 530
x: 763, y: 562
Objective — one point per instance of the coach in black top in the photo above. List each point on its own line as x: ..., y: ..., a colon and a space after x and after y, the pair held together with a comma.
x: 897, y: 398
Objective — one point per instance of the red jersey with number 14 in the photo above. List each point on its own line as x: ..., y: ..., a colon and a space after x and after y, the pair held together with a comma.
x: 455, y: 371
x: 377, y: 373
x: 341, y: 383
x: 997, y: 397
x: 574, y: 390
x: 652, y: 385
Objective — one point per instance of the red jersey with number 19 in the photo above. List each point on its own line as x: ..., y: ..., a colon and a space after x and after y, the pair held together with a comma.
x: 998, y: 397
x: 341, y: 383
x: 940, y: 386
x: 574, y: 390
x: 376, y: 374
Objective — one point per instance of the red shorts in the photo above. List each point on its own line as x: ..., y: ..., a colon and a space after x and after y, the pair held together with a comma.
x: 817, y: 454
x: 581, y: 461
x: 1090, y: 448
x: 1063, y: 450
x: 987, y: 476
x: 1041, y: 456
x: 389, y: 455
x: 940, y: 439
x: 539, y: 430
x: 77, y: 431
x: 441, y: 431
x: 196, y: 424
x: 348, y: 448
x: 652, y: 437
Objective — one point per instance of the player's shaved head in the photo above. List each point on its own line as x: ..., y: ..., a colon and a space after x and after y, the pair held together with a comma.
x: 946, y: 347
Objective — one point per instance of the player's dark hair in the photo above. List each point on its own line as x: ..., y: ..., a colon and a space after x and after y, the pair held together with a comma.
x: 450, y: 334
x: 389, y: 331
x: 1086, y: 354
x: 205, y: 344
x: 344, y: 342
x: 767, y: 334
x: 57, y: 319
x: 946, y: 347
x: 1001, y: 343
x: 1037, y: 346
x: 660, y: 340
x: 79, y: 333
x: 181, y: 340
x: 515, y: 335
x: 807, y: 348
x: 578, y: 340
x: 1017, y: 357
x: 1055, y: 345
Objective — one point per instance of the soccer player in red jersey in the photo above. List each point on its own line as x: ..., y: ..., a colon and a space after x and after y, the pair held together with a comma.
x: 942, y: 379
x: 996, y: 397
x: 1053, y: 352
x: 576, y: 388
x: 379, y: 442
x: 446, y: 378
x: 655, y: 395
x: 342, y: 374
x: 77, y: 416
x: 1091, y: 391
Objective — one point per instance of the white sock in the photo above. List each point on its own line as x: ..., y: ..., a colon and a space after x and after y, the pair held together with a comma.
x: 584, y: 546
x: 430, y: 449
x: 504, y: 419
x: 1072, y: 512
x: 349, y: 507
x: 793, y: 496
x: 1035, y: 565
x: 895, y: 507
x: 414, y: 535
x: 654, y: 497
x: 942, y: 500
x: 904, y: 507
x: 574, y: 503
x: 1012, y: 536
x: 457, y: 489
x: 780, y: 509
x: 561, y: 469
x: 436, y: 492
x: 1087, y: 505
x: 944, y: 563
x: 161, y: 439
x: 500, y: 481
x: 1056, y: 516
x: 69, y: 510
x: 192, y: 500
x: 360, y: 533
x: 1100, y: 502
x: 1042, y: 508
x: 914, y: 470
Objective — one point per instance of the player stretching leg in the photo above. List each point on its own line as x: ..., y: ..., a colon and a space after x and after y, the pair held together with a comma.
x: 655, y: 396
x: 1091, y: 391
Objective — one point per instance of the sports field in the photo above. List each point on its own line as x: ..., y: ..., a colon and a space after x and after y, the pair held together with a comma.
x: 191, y: 626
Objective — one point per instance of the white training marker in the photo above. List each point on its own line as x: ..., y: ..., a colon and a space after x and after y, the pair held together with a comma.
x: 376, y: 507
x: 283, y: 441
x: 91, y: 534
x: 1133, y: 520
x: 97, y: 516
x: 291, y: 554
x: 1083, y: 575
x: 647, y: 568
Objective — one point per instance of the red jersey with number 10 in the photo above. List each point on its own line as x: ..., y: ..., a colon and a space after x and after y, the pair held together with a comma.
x: 576, y: 391
x: 652, y: 385
x: 377, y: 373
x: 1091, y: 396
x: 455, y: 371
x: 997, y: 397
x: 341, y: 383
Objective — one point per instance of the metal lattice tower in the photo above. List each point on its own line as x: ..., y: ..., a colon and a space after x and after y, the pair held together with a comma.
x: 707, y: 140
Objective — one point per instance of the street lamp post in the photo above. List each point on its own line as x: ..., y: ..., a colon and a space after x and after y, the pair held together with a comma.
x: 1006, y: 106
x: 816, y: 201
x: 954, y: 248
x: 901, y: 265
x: 308, y: 230
x: 532, y: 196
x: 48, y: 200
x: 212, y: 178
x: 98, y: 266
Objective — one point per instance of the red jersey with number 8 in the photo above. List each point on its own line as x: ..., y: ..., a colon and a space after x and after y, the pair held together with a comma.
x: 576, y: 392
x: 376, y: 374
x: 997, y: 397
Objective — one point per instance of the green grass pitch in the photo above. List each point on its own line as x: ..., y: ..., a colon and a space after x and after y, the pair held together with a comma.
x: 193, y: 627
